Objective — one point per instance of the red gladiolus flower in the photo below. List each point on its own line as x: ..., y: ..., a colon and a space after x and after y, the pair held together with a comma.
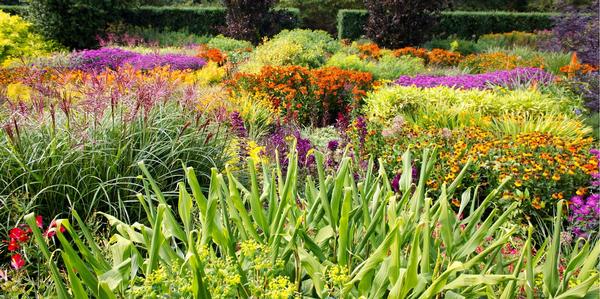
x: 16, y: 261
x: 51, y: 231
x: 13, y: 245
x: 18, y: 234
x: 38, y: 221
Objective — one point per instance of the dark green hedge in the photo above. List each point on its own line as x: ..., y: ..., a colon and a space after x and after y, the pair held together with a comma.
x: 14, y: 9
x: 351, y: 23
x: 197, y: 20
x: 464, y: 24
x: 201, y: 20
x: 473, y: 24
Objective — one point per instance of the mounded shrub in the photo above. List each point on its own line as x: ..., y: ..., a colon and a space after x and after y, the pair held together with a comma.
x: 296, y: 47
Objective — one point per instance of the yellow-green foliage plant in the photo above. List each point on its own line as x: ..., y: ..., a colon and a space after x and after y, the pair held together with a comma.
x: 386, y: 67
x: 446, y: 102
x: 17, y: 40
x: 296, y: 47
x: 340, y: 238
x: 209, y: 75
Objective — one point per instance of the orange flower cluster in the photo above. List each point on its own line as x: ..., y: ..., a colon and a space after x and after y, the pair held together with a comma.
x: 304, y: 95
x: 574, y: 67
x: 443, y: 57
x: 489, y: 62
x: 211, y: 54
x: 550, y: 168
x: 416, y: 52
x: 433, y: 57
x: 369, y: 50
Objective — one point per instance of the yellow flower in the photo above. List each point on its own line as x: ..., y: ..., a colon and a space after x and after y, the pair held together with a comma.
x: 518, y: 183
x: 280, y: 287
x: 18, y: 92
x: 256, y: 152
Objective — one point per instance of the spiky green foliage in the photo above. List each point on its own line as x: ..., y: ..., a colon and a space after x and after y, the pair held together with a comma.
x: 341, y: 238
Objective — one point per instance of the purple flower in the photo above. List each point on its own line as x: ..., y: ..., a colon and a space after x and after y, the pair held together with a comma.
x: 585, y: 215
x: 303, y: 147
x: 361, y: 128
x: 237, y: 125
x: 396, y: 183
x: 113, y: 58
x: 510, y: 79
x: 174, y: 61
x: 333, y: 145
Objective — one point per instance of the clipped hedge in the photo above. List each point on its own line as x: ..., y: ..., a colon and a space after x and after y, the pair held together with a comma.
x: 351, y: 23
x: 197, y: 20
x: 20, y: 10
x: 464, y: 24
x: 473, y: 24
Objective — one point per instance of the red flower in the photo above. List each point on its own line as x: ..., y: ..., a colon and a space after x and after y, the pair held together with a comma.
x: 13, y: 245
x: 18, y: 234
x: 16, y: 261
x: 38, y: 221
x: 52, y: 229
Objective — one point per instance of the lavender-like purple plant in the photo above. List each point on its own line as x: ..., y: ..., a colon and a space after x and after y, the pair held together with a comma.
x: 113, y: 58
x: 510, y: 79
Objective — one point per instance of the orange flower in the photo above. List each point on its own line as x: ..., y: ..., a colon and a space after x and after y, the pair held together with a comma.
x: 211, y: 54
x: 370, y: 50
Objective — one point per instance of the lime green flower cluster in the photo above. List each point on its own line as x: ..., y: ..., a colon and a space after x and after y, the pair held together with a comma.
x: 164, y: 283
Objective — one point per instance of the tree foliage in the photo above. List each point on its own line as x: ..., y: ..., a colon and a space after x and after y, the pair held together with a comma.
x: 399, y: 23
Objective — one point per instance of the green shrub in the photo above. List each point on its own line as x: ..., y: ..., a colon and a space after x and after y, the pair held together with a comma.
x: 296, y: 47
x: 75, y: 23
x: 462, y: 46
x: 17, y: 39
x: 462, y: 24
x: 227, y: 44
x: 387, y: 67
